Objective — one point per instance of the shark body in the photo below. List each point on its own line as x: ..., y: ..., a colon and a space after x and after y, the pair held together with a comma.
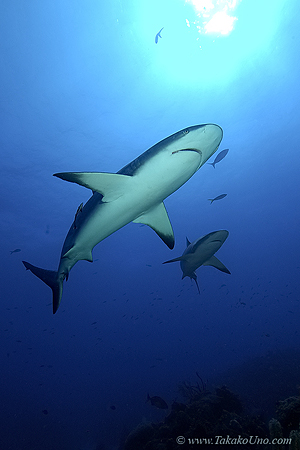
x: 201, y: 253
x: 135, y: 193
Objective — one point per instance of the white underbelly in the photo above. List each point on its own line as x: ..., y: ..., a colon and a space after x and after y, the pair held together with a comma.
x: 161, y: 178
x: 149, y: 187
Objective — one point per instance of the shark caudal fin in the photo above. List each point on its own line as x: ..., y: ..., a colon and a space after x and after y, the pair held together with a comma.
x: 50, y: 277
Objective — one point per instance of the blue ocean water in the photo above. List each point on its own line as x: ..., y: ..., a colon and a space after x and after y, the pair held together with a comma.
x: 85, y: 87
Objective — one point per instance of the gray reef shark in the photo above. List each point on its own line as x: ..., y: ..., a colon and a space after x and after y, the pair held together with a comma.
x: 201, y: 253
x: 133, y: 194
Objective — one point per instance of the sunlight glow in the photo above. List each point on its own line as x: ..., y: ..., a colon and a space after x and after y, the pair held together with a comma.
x: 214, y: 16
x: 205, y: 44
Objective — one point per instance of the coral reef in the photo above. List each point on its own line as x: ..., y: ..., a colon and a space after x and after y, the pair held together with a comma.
x: 192, y: 392
x: 218, y: 418
x: 288, y: 424
x: 288, y: 413
x: 209, y: 415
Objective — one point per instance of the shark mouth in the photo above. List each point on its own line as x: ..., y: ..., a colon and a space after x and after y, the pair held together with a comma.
x: 187, y: 150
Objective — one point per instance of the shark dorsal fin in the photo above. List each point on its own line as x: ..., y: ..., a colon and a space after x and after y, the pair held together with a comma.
x: 157, y: 218
x: 110, y: 185
x: 187, y: 242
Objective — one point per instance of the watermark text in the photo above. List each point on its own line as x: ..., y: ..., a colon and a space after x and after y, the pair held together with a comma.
x: 239, y: 440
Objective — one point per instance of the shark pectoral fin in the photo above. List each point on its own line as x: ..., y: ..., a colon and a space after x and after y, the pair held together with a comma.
x: 213, y: 261
x: 157, y: 218
x: 180, y: 258
x: 110, y: 185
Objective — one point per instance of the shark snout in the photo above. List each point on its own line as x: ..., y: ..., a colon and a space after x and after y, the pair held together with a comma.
x: 204, y: 139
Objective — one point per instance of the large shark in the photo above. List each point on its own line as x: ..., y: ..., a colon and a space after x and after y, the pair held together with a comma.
x: 133, y: 194
x: 201, y: 253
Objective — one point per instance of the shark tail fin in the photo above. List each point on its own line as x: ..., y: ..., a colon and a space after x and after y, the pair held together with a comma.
x: 197, y: 284
x: 50, y: 277
x: 192, y: 276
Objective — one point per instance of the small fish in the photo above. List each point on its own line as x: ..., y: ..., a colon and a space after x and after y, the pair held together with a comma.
x: 113, y: 407
x: 45, y: 411
x: 16, y: 250
x: 219, y: 157
x: 217, y: 198
x: 158, y: 35
x: 156, y: 401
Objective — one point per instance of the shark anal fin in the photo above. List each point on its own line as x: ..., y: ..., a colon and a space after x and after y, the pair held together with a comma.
x: 50, y: 277
x: 157, y: 218
x: 110, y: 185
x: 215, y: 262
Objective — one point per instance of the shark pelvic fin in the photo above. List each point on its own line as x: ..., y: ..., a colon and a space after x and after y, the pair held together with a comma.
x: 157, y: 218
x: 86, y: 256
x: 215, y: 262
x: 50, y: 277
x: 110, y: 185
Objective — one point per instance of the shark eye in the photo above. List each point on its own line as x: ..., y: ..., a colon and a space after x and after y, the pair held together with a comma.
x: 185, y: 131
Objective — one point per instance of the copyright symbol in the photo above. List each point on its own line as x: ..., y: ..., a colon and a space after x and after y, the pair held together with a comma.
x: 180, y: 440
